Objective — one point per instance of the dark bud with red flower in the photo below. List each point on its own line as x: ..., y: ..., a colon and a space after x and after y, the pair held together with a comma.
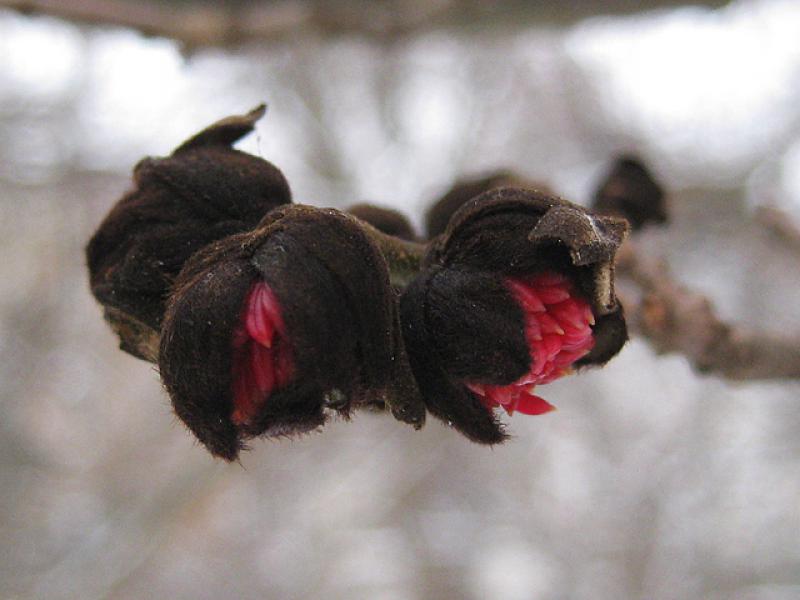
x: 630, y: 191
x: 517, y: 292
x: 204, y: 191
x: 268, y: 330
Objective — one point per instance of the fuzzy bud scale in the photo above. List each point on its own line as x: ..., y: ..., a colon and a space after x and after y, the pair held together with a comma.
x: 558, y: 329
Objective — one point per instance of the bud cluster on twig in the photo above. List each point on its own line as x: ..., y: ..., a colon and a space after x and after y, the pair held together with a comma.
x: 265, y: 316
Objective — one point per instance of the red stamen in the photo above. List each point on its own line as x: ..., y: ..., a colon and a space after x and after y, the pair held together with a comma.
x: 263, y: 371
x: 284, y: 365
x: 558, y: 329
x: 262, y: 356
x: 530, y: 404
x: 526, y: 296
x: 548, y: 278
x: 549, y: 324
x: 553, y: 294
x: 272, y: 309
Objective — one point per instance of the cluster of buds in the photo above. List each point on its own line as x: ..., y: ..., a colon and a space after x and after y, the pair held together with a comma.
x: 265, y: 317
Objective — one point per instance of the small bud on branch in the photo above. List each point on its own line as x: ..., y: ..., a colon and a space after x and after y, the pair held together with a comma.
x: 203, y: 192
x: 468, y: 318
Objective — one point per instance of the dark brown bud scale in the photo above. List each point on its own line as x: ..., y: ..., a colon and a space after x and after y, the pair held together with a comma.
x: 203, y: 192
x: 630, y: 191
x: 390, y: 222
x: 461, y: 322
x: 340, y: 317
x: 439, y: 214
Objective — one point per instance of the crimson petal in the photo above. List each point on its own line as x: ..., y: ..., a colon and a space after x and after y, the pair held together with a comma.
x: 530, y: 404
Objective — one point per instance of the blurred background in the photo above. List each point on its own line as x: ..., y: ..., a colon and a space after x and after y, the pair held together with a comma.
x: 649, y: 482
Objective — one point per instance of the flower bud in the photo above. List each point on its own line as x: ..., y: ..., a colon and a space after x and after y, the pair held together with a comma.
x: 438, y: 215
x: 631, y: 192
x: 390, y: 222
x: 264, y: 326
x: 203, y: 192
x: 517, y: 290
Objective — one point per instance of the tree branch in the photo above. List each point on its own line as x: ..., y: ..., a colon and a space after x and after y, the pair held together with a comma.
x: 780, y: 224
x: 675, y: 319
x: 205, y: 23
x: 402, y: 256
x: 193, y: 24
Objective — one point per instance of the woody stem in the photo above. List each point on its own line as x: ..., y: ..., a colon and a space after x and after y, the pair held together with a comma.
x: 404, y: 258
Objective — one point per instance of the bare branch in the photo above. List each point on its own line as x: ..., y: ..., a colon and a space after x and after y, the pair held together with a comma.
x: 780, y: 224
x: 198, y: 24
x: 675, y: 319
x: 192, y: 24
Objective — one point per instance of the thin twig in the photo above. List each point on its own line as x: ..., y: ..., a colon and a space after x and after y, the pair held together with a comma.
x: 780, y: 224
x: 199, y: 24
x: 192, y: 24
x: 676, y: 319
x: 403, y: 257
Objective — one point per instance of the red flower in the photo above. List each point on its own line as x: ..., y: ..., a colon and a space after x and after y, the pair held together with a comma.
x: 558, y: 331
x: 517, y: 290
x: 268, y: 332
x: 262, y: 356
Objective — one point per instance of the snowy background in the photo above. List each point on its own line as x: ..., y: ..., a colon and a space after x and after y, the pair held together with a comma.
x: 649, y: 482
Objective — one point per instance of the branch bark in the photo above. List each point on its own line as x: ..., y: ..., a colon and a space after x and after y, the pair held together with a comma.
x: 403, y: 257
x: 676, y: 319
x: 197, y: 24
x: 194, y: 25
x: 779, y: 224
